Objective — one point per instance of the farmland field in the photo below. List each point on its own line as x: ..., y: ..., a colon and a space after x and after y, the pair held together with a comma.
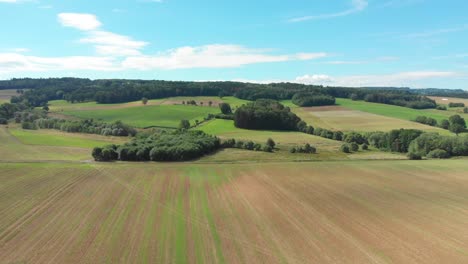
x: 345, y: 119
x: 447, y: 100
x: 226, y: 129
x: 44, y: 145
x: 345, y: 212
x: 161, y: 112
x: 5, y: 95
x: 146, y: 116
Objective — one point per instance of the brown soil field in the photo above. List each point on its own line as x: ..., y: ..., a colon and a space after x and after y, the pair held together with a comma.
x: 328, y: 212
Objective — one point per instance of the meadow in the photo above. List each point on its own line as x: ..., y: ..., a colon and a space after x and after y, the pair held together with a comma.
x: 328, y: 212
x: 159, y: 113
x: 394, y: 111
x: 48, y: 145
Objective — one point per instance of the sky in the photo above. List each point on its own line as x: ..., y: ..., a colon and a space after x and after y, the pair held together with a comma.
x: 407, y: 43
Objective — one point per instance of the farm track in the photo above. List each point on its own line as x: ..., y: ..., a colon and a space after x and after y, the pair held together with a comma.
x: 334, y: 212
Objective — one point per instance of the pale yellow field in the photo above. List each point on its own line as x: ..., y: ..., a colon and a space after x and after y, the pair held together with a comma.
x: 447, y: 100
x: 343, y: 119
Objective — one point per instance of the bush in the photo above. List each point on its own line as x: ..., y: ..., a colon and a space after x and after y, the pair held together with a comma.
x: 426, y: 120
x: 438, y: 154
x: 445, y: 124
x: 267, y: 148
x: 354, y: 147
x: 465, y: 110
x: 184, y: 124
x: 456, y: 104
x: 441, y: 107
x: 364, y: 147
x: 28, y: 125
x: 3, y: 121
x: 414, y: 156
x: 293, y: 150
x: 354, y: 137
x: 271, y: 143
x: 345, y: 148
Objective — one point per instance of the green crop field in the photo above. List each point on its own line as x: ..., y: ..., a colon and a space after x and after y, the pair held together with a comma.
x: 234, y: 213
x: 161, y: 112
x: 146, y: 116
x: 394, y: 111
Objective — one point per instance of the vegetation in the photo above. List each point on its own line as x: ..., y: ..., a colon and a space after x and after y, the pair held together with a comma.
x: 179, y: 145
x: 426, y: 120
x: 265, y: 115
x: 395, y: 140
x: 312, y: 99
x: 428, y: 142
x: 457, y: 124
x: 307, y: 148
x: 452, y: 104
x: 225, y: 108
x: 88, y: 126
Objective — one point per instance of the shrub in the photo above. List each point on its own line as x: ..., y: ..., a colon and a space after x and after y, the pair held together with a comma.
x: 184, y: 124
x: 445, y: 124
x: 354, y: 147
x: 267, y: 148
x: 441, y: 107
x: 293, y: 150
x: 354, y: 137
x: 28, y: 125
x: 456, y: 104
x: 438, y: 154
x: 414, y: 156
x: 345, y: 148
x: 3, y: 121
x: 364, y: 147
x: 271, y: 143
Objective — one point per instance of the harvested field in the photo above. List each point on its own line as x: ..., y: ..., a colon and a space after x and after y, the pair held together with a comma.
x: 447, y: 100
x: 344, y: 119
x: 330, y: 212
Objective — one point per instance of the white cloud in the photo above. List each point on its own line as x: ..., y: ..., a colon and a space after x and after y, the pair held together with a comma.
x: 412, y: 79
x: 14, y: 62
x: 211, y: 56
x: 20, y: 50
x: 108, y: 43
x: 79, y: 21
x: 356, y: 6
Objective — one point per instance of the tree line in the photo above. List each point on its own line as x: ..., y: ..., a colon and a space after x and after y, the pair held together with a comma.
x: 40, y: 91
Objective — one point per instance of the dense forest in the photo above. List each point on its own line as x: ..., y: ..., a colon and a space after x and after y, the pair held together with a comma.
x: 37, y: 92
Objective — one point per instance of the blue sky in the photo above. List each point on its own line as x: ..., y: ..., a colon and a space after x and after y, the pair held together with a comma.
x: 417, y: 43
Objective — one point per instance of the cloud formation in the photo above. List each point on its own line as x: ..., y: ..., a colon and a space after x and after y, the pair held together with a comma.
x: 79, y: 21
x: 356, y: 6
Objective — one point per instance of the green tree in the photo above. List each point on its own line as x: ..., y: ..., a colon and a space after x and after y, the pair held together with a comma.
x: 225, y: 108
x: 184, y: 124
x: 457, y: 124
x: 444, y: 124
x: 144, y: 100
x: 271, y: 143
